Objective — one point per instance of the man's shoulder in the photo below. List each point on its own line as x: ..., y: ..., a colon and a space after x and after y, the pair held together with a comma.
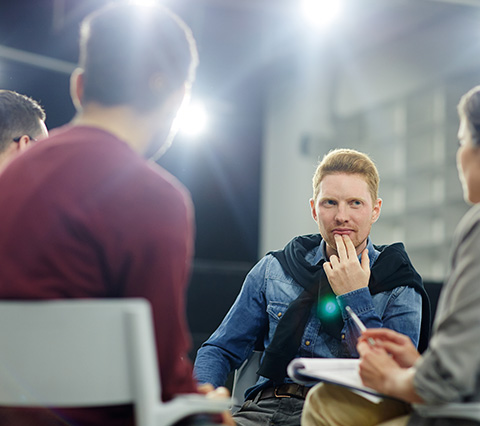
x: 115, y: 163
x: 397, y: 247
x: 160, y: 176
x: 96, y: 166
x: 395, y: 252
x: 269, y: 268
x: 69, y: 148
x: 469, y: 224
x: 393, y: 266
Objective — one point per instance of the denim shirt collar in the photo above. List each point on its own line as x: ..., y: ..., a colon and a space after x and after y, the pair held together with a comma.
x: 321, y: 253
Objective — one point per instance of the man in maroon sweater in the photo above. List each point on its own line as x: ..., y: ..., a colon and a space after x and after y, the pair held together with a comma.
x: 84, y: 215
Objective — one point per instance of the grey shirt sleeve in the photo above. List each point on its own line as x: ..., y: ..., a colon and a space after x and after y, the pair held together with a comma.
x: 450, y: 369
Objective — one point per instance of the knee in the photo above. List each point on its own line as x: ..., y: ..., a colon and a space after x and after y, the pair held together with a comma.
x: 312, y: 414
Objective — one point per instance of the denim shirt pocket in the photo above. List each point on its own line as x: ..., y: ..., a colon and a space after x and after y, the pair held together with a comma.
x: 275, y: 311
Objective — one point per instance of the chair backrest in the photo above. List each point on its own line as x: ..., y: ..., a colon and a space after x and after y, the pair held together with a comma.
x: 73, y: 353
x: 433, y: 290
x: 244, y: 377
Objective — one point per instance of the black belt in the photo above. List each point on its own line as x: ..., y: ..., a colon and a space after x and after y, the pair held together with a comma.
x: 287, y: 390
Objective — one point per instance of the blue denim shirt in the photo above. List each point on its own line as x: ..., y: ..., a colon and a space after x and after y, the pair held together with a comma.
x: 264, y: 298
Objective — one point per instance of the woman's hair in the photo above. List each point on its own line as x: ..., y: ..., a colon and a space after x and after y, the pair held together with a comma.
x: 469, y: 110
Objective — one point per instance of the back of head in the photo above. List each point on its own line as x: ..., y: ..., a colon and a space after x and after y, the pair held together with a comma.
x: 136, y: 54
x: 19, y: 115
x: 469, y: 110
x: 347, y: 161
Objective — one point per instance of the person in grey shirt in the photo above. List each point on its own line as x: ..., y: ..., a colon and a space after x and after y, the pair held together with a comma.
x: 449, y: 371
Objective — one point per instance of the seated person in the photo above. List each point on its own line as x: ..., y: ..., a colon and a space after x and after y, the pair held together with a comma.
x: 84, y: 214
x: 449, y: 370
x: 294, y: 299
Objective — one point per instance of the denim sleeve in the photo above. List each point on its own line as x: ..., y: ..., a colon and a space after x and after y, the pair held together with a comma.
x: 235, y: 338
x: 399, y: 310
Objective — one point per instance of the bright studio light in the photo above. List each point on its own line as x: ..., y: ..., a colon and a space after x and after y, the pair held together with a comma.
x: 193, y: 119
x: 321, y: 13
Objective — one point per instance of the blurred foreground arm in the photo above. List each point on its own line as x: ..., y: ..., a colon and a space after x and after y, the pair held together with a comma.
x: 221, y: 392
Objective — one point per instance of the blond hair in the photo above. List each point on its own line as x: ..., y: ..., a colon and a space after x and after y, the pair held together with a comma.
x: 351, y: 162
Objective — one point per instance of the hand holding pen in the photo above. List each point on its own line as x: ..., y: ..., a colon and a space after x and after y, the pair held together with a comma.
x: 397, y: 345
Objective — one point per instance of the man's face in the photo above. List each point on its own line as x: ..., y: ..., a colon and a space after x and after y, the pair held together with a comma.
x: 344, y: 206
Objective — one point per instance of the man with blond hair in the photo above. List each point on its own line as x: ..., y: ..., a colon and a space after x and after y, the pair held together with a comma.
x: 294, y: 299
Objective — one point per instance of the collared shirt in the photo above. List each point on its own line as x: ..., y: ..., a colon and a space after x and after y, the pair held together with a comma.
x: 265, y: 296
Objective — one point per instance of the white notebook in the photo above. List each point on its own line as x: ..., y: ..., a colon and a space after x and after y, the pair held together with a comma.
x: 344, y: 372
x: 339, y: 371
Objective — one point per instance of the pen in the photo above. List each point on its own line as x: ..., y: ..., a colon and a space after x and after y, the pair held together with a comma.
x: 359, y: 323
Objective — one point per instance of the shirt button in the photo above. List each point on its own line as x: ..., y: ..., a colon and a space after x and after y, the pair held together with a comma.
x: 343, y: 336
x: 307, y: 342
x: 279, y: 314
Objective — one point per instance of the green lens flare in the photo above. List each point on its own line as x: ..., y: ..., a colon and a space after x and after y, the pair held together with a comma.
x: 327, y: 307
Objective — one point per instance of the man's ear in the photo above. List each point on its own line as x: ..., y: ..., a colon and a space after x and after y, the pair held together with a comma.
x: 23, y: 143
x: 313, y: 209
x: 376, y: 210
x: 76, y: 88
x: 13, y: 150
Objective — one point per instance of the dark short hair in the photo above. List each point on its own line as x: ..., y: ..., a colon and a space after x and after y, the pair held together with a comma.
x: 19, y: 115
x: 135, y: 54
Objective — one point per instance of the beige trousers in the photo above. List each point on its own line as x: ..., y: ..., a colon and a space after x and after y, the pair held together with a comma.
x: 331, y: 405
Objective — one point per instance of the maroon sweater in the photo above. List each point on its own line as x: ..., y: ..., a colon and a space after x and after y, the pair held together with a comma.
x: 83, y: 216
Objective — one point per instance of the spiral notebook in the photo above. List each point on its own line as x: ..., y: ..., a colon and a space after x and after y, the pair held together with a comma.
x: 338, y: 371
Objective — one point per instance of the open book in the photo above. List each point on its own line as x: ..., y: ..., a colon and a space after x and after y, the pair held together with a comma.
x: 339, y: 371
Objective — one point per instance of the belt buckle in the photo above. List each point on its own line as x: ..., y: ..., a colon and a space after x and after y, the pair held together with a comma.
x: 280, y: 396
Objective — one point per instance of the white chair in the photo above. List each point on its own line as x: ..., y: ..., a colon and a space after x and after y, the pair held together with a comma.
x: 75, y: 353
x: 244, y: 377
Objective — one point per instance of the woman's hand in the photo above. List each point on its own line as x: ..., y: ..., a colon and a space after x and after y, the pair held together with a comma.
x: 376, y: 367
x: 380, y: 371
x: 399, y: 346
